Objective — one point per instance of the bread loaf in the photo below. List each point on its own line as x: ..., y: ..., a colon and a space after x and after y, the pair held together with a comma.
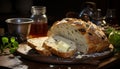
x: 88, y: 37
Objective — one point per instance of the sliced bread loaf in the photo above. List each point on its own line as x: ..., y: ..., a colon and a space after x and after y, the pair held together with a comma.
x: 88, y: 37
x: 37, y: 44
x: 60, y: 46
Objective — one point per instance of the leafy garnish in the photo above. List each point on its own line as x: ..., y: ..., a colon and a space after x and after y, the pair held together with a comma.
x: 8, y: 42
x: 114, y: 38
x: 109, y: 30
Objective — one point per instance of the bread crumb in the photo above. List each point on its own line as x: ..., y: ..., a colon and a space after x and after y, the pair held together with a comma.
x: 51, y: 66
x: 69, y: 67
x: 79, y: 56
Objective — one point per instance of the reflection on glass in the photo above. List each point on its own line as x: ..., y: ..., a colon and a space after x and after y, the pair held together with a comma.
x: 87, y: 12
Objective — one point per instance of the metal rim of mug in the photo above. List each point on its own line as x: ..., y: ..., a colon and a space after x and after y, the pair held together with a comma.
x: 19, y: 20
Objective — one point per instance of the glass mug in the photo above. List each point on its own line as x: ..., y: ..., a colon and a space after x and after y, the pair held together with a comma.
x: 40, y: 26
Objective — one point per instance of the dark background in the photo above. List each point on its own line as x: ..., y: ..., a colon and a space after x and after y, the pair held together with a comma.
x: 56, y: 9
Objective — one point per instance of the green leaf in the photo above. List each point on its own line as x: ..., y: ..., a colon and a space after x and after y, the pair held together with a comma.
x: 12, y: 39
x: 114, y: 38
x: 15, y: 44
x: 109, y: 30
x: 5, y: 40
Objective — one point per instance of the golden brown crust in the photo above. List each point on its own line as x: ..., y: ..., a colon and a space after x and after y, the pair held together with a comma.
x: 97, y: 40
x: 31, y: 45
x: 96, y: 44
x: 44, y: 52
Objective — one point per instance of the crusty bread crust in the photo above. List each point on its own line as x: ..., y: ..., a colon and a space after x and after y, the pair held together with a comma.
x: 31, y: 45
x: 96, y: 39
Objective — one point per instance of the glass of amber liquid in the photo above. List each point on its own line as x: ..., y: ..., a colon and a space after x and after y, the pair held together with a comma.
x: 39, y: 27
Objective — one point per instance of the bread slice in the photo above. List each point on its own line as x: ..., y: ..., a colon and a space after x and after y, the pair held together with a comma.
x: 88, y: 37
x: 60, y: 46
x: 37, y: 44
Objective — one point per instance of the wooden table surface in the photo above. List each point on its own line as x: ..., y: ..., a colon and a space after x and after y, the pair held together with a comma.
x: 17, y: 62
